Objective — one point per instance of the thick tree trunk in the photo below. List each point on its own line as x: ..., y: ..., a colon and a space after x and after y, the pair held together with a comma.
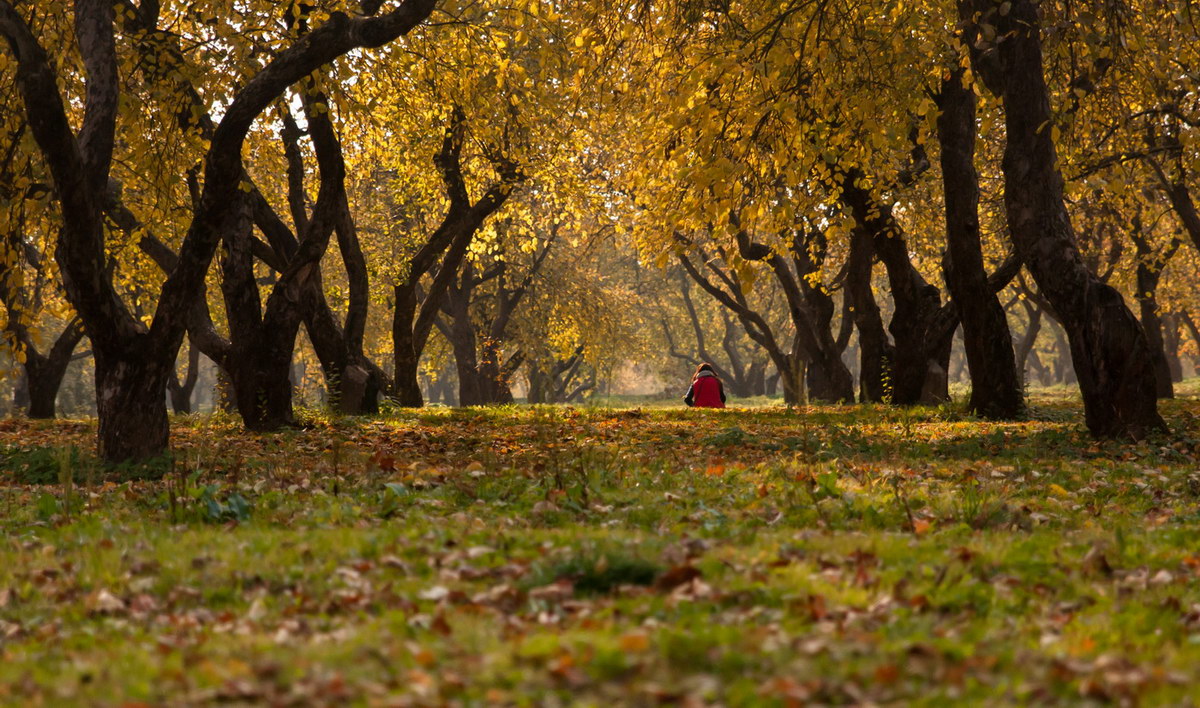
x: 43, y: 392
x: 757, y: 378
x: 44, y: 372
x: 262, y: 344
x: 262, y: 386
x: 1109, y: 349
x: 828, y: 378
x: 539, y: 385
x: 876, y: 353
x: 462, y: 341
x: 793, y: 376
x: 995, y: 384
x: 407, y: 359
x: 493, y: 379
x: 131, y: 407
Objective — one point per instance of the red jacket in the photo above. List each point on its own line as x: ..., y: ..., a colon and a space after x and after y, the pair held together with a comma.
x: 706, y: 391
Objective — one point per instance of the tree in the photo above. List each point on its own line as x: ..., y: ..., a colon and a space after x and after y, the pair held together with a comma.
x: 995, y: 386
x: 133, y: 360
x: 1109, y: 350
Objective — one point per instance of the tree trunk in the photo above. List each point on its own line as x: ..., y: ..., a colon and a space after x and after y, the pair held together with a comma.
x: 43, y: 391
x: 876, y: 353
x: 757, y: 378
x: 463, y: 343
x: 1171, y: 346
x: 131, y: 407
x: 407, y: 359
x: 44, y: 372
x: 1111, y: 355
x: 493, y: 380
x: 811, y: 311
x: 537, y: 385
x: 1150, y: 266
x: 793, y: 376
x: 1029, y: 339
x: 411, y: 325
x: 917, y: 303
x: 181, y: 391
x: 260, y: 361
x: 995, y: 385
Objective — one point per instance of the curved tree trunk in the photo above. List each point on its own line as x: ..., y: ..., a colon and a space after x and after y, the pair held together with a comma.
x: 995, y: 384
x: 875, y: 352
x: 1112, y: 358
x: 1029, y: 339
x: 1150, y: 266
x: 181, y: 391
x: 918, y: 371
x: 811, y: 310
x: 44, y: 372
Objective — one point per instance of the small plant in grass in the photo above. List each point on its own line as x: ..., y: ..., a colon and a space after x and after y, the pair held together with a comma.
x: 979, y: 507
x: 42, y: 465
x: 391, y: 498
x: 153, y: 469
x: 232, y: 507
x: 729, y: 437
x: 599, y: 573
x: 188, y: 500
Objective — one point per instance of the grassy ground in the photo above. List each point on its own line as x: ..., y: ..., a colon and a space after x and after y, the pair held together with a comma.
x: 598, y: 556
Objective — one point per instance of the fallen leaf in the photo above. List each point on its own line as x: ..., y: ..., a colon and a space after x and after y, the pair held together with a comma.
x: 634, y: 642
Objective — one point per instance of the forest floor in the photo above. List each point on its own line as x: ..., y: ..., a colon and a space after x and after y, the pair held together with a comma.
x: 601, y: 556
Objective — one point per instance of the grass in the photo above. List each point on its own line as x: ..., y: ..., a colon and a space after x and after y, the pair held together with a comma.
x: 602, y: 556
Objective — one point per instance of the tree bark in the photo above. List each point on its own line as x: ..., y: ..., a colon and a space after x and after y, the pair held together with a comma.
x: 131, y: 407
x: 1111, y: 355
x: 875, y: 351
x: 995, y: 384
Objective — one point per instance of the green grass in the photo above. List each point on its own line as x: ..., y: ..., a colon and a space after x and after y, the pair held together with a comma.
x: 600, y: 556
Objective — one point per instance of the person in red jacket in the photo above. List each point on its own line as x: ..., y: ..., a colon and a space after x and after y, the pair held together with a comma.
x: 706, y: 390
